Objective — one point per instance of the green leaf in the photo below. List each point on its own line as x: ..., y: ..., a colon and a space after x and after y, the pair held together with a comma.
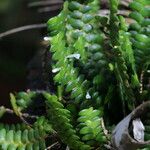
x: 14, y: 105
x: 2, y: 111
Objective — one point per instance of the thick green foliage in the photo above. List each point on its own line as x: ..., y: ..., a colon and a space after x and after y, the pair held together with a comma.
x: 79, y: 38
x: 140, y: 33
x: 14, y: 127
x: 90, y: 126
x: 127, y: 51
x: 140, y: 38
x: 67, y: 75
x: 90, y: 39
x: 97, y: 63
x: 120, y: 66
x: 57, y: 112
x: 24, y: 99
x: 17, y: 138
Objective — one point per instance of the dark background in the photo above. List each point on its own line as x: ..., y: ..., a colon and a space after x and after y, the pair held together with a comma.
x: 19, y: 50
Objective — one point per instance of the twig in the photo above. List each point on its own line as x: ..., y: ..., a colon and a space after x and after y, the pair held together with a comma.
x: 22, y: 115
x: 141, y: 81
x: 44, y: 3
x: 52, y: 146
x: 23, y: 28
x: 103, y: 127
x: 48, y: 9
x: 24, y: 121
x: 26, y: 115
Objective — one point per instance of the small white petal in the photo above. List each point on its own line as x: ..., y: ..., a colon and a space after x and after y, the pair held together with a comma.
x: 148, y: 71
x: 88, y: 96
x: 46, y: 38
x: 77, y: 56
x: 55, y: 70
